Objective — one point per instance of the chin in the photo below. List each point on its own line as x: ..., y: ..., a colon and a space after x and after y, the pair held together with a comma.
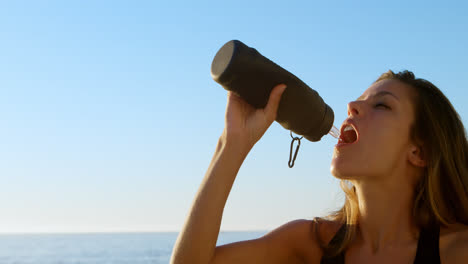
x: 344, y: 170
x: 339, y: 175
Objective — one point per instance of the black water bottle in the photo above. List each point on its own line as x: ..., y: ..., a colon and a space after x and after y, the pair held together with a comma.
x: 250, y: 75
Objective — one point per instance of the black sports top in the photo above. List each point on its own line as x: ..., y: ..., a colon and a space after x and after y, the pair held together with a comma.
x: 427, y: 251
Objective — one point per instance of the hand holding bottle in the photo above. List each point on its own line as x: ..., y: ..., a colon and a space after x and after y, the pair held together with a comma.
x: 244, y: 124
x: 243, y: 70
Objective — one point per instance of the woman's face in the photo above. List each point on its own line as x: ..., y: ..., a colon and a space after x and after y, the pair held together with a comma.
x: 382, y: 117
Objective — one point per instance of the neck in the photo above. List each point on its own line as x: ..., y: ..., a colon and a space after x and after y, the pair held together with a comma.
x: 385, y: 218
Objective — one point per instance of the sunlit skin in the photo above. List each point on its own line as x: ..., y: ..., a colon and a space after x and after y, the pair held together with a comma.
x: 383, y: 165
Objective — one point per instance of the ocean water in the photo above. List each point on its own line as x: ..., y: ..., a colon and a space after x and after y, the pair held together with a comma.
x: 98, y: 248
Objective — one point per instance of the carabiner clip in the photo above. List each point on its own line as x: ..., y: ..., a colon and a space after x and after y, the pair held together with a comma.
x: 291, y: 164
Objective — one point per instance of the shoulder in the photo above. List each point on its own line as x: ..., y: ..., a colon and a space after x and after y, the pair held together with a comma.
x: 326, y: 229
x: 305, y: 236
x: 454, y: 243
x: 301, y: 238
x: 302, y: 229
x: 292, y: 233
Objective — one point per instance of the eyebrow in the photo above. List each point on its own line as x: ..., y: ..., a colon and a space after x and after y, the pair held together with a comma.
x: 380, y: 94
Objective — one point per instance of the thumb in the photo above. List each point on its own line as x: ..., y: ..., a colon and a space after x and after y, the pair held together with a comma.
x: 271, y: 108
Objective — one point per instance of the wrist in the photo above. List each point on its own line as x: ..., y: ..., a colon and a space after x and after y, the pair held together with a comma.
x: 234, y: 145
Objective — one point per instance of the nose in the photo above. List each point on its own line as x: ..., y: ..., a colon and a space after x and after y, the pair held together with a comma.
x: 354, y: 108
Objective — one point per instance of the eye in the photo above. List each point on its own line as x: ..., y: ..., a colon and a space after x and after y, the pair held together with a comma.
x: 381, y: 105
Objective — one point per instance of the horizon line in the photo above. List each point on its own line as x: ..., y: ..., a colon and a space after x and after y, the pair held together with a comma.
x: 2, y: 233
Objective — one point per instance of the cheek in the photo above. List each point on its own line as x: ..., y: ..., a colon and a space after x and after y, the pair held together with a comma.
x: 385, y: 151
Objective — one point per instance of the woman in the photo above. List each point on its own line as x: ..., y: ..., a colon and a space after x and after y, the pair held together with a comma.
x: 402, y: 159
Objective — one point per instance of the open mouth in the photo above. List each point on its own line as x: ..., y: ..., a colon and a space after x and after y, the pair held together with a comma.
x: 348, y: 135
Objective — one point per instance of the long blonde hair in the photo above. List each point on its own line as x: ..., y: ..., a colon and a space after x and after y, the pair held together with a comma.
x: 441, y: 195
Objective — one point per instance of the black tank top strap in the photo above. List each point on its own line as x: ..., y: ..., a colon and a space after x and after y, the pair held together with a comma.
x: 338, y: 259
x: 428, y: 246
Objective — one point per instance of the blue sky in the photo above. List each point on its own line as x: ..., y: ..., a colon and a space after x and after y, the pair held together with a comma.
x: 109, y: 116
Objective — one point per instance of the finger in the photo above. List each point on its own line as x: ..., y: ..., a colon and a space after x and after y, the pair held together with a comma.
x: 271, y: 108
x: 234, y: 96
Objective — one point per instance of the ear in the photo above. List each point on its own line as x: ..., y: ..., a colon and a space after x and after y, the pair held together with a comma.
x: 416, y: 157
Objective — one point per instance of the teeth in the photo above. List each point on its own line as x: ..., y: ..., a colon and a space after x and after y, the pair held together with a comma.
x: 347, y: 128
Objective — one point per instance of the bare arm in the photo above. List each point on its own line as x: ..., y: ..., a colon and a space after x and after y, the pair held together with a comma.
x: 197, y: 241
